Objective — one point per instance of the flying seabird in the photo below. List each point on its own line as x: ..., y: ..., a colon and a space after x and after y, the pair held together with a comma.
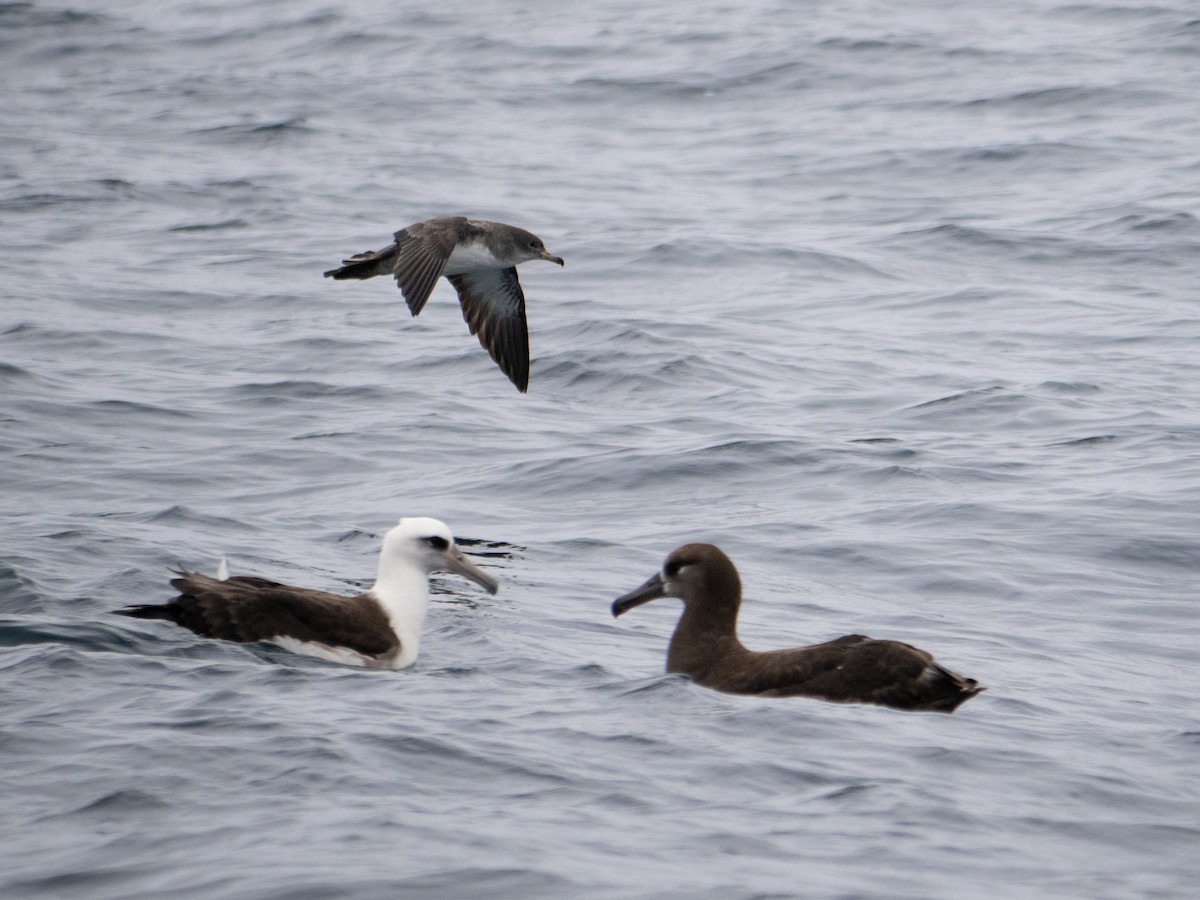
x: 480, y: 259
x: 851, y: 669
x: 378, y: 629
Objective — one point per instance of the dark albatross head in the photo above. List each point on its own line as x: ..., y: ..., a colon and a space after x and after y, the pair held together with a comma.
x: 698, y: 574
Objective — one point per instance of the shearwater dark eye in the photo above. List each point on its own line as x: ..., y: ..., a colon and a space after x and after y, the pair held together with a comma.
x: 437, y: 542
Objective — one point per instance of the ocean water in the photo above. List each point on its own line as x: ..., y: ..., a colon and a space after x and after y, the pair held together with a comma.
x: 899, y: 305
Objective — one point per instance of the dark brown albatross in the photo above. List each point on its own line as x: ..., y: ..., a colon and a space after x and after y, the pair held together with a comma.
x: 851, y: 669
x: 379, y: 629
x: 480, y: 259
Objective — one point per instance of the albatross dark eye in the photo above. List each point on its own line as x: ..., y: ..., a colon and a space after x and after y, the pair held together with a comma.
x: 672, y: 568
x: 437, y: 542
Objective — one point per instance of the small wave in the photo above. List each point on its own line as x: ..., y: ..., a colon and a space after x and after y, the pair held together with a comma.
x: 970, y: 396
x: 1178, y: 554
x: 21, y: 631
x: 18, y: 592
x: 1039, y: 151
x: 99, y: 190
x: 1081, y: 96
x: 274, y: 391
x: 885, y: 448
x: 258, y: 132
x: 871, y: 45
x: 145, y: 409
x: 225, y: 225
x: 1086, y: 441
x: 16, y: 15
x: 122, y: 802
x: 967, y: 235
x: 1145, y: 222
x: 477, y: 881
x: 654, y: 685
x: 12, y: 373
x: 179, y: 513
x: 1070, y: 387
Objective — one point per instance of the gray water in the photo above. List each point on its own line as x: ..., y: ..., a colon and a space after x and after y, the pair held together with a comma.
x: 899, y: 304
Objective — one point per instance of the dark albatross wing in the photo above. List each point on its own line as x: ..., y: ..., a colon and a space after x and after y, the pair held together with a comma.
x: 246, y: 609
x: 493, y: 306
x: 859, y: 669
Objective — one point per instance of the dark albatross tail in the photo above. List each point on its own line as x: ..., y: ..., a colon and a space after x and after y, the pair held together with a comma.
x: 948, y: 690
x: 150, y: 611
x: 190, y: 608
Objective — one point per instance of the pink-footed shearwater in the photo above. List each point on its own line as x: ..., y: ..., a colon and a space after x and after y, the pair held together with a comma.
x: 379, y: 629
x: 480, y: 259
x: 851, y: 669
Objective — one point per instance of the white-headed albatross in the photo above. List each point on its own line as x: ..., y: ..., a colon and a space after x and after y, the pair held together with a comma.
x: 851, y: 669
x: 378, y: 629
x: 480, y: 259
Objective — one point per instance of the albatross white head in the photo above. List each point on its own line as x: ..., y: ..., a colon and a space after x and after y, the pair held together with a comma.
x: 413, y: 550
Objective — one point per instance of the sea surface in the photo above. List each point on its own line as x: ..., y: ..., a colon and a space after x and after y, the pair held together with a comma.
x: 899, y: 304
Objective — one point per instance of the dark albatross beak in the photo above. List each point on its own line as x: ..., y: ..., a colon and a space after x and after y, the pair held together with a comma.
x: 651, y: 590
x: 548, y: 257
x: 458, y: 564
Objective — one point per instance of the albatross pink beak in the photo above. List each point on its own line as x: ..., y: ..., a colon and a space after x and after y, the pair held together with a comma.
x: 458, y: 564
x: 651, y: 590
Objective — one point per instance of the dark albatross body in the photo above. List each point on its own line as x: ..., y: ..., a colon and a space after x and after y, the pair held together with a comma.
x: 851, y: 669
x: 480, y: 259
x: 378, y: 629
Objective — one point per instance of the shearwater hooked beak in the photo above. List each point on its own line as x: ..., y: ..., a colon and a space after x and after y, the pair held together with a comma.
x: 458, y: 564
x: 549, y: 257
x: 651, y: 590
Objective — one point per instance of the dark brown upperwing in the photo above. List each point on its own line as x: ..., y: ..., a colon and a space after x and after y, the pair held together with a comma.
x: 421, y: 254
x: 254, y: 609
x: 858, y: 669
